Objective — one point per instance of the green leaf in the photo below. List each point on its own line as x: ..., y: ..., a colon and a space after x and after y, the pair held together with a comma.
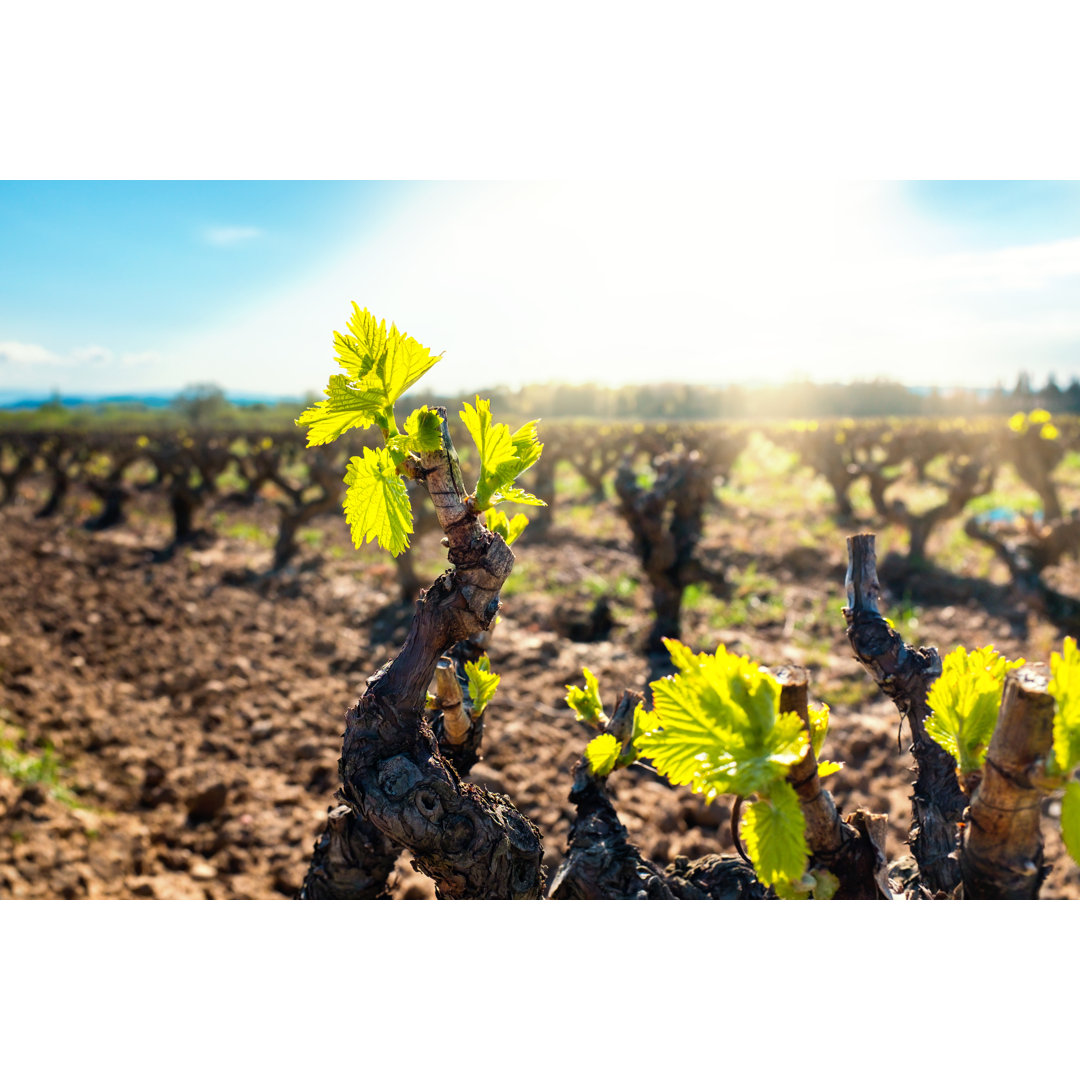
x: 773, y: 831
x: 483, y: 683
x: 503, y: 457
x: 1065, y: 690
x: 527, y: 445
x: 826, y: 884
x: 358, y: 351
x: 379, y: 365
x: 424, y: 430
x: 827, y: 768
x: 1070, y: 819
x: 602, y: 753
x: 507, y: 493
x: 508, y: 528
x: 405, y: 361
x: 586, y: 701
x: 377, y: 503
x: 716, y: 725
x: 965, y: 700
x: 819, y: 726
x: 345, y: 407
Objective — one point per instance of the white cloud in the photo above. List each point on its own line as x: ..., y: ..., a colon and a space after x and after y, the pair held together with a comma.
x: 230, y: 235
x: 25, y: 354
x: 101, y: 360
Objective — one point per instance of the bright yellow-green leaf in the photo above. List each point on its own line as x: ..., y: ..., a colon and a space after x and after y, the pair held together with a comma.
x: 718, y: 725
x: 364, y: 344
x: 508, y: 493
x: 373, y: 357
x: 773, y: 831
x: 406, y: 360
x: 602, y: 754
x: 380, y: 365
x: 1038, y: 416
x: 345, y: 407
x: 377, y: 504
x: 1070, y: 819
x: 819, y: 727
x: 424, y: 430
x: 1048, y: 431
x: 503, y: 457
x: 585, y: 701
x: 827, y: 768
x: 527, y: 445
x: 1018, y: 422
x: 965, y: 700
x: 508, y: 528
x: 1065, y: 690
x: 483, y: 683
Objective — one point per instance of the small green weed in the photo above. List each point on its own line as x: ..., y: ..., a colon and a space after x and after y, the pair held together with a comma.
x: 622, y: 588
x: 246, y: 530
x: 43, y: 769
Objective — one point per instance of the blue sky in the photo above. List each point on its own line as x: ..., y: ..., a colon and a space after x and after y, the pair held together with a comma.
x: 142, y: 286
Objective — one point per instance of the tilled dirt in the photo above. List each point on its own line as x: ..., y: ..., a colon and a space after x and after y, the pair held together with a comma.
x: 195, y: 705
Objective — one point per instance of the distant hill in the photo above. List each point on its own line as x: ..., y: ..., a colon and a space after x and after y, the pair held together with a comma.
x: 30, y: 399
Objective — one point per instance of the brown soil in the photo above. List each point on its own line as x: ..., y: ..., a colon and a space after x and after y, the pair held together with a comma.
x: 196, y: 705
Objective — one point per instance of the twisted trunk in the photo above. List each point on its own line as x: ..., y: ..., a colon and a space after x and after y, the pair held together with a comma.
x: 906, y: 675
x: 476, y: 845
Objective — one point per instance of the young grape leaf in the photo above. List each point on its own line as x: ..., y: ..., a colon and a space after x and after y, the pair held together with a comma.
x: 509, y: 493
x: 965, y: 700
x: 826, y: 884
x: 1065, y: 690
x: 827, y: 768
x: 358, y: 351
x: 424, y: 430
x: 508, y: 528
x: 585, y: 701
x: 773, y: 831
x: 716, y: 725
x: 345, y: 407
x: 602, y: 753
x: 380, y: 366
x: 819, y: 727
x: 377, y: 503
x: 483, y: 683
x: 1070, y: 819
x: 503, y: 457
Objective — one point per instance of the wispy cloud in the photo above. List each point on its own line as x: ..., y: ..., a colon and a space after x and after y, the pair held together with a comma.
x: 24, y: 354
x: 29, y: 355
x: 230, y: 235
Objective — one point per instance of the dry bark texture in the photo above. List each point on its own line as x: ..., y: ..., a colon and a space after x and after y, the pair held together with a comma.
x: 906, y: 675
x: 1002, y: 853
x: 602, y: 863
x: 666, y: 523
x: 352, y: 860
x: 474, y: 844
x: 856, y: 856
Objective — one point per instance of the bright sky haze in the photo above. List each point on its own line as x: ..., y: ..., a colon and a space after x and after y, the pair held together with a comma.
x: 118, y: 287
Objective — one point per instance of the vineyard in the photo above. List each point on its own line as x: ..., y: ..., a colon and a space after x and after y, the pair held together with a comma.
x: 185, y: 621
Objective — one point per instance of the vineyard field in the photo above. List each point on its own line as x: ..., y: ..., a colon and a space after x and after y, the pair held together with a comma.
x: 171, y: 713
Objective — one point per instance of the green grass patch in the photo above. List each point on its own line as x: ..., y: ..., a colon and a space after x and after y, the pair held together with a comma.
x: 27, y: 768
x: 246, y: 530
x: 624, y: 587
